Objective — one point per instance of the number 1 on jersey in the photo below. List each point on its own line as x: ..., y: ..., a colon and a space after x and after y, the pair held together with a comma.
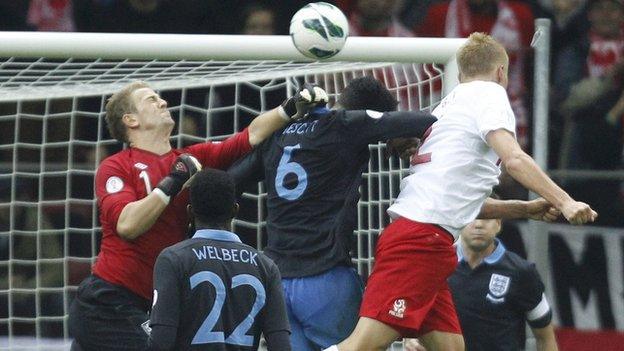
x: 148, y: 185
x: 286, y: 167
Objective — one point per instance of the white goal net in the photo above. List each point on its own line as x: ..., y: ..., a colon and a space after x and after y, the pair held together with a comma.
x: 53, y: 136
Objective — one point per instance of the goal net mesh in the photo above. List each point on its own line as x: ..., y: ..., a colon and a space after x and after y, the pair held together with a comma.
x: 53, y: 136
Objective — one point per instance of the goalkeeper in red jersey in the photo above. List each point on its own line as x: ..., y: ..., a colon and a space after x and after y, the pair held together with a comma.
x: 143, y: 208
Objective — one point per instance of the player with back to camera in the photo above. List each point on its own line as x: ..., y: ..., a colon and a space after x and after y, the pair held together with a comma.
x: 139, y: 220
x: 312, y: 171
x: 457, y: 166
x: 212, y: 292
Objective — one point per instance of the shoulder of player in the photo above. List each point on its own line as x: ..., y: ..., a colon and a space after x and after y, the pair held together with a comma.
x: 482, y: 93
x: 513, y: 261
x: 118, y: 161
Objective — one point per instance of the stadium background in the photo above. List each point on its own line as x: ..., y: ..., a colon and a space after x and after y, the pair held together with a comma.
x: 586, y: 266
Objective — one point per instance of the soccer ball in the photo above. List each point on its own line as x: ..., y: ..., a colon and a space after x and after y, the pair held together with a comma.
x: 319, y: 30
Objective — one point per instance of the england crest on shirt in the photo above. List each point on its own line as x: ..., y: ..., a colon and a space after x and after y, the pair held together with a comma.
x: 499, y: 285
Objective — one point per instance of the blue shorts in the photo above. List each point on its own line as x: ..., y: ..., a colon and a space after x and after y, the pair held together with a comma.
x: 323, y: 309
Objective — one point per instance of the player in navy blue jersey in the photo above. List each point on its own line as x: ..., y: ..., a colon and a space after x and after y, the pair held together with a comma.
x: 313, y: 170
x: 211, y: 292
x: 496, y: 292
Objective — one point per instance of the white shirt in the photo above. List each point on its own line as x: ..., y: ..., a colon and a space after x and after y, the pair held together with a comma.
x: 450, y: 189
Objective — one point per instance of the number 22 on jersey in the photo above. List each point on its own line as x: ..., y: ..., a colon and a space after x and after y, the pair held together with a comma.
x: 239, y: 336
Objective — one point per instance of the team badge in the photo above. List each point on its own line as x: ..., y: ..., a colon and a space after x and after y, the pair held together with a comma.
x: 398, y: 309
x: 374, y: 114
x: 499, y: 285
x: 114, y: 184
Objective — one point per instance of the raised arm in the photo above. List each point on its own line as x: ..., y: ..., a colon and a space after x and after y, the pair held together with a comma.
x: 292, y: 109
x: 524, y: 169
x: 250, y: 168
x: 538, y: 209
x: 372, y: 126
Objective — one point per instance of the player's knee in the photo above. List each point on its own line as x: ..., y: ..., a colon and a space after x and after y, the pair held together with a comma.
x: 443, y: 342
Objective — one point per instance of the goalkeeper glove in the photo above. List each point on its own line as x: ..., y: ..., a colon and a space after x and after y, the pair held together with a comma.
x: 297, y: 106
x: 184, y: 167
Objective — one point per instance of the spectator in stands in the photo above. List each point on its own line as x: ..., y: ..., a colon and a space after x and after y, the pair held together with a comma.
x: 13, y: 16
x: 154, y: 16
x: 258, y: 19
x: 412, y: 13
x: 593, y: 111
x: 51, y: 15
x: 569, y: 28
x: 377, y: 18
x: 509, y: 22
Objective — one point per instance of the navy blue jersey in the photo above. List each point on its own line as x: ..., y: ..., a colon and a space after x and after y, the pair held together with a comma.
x: 312, y: 170
x: 496, y: 299
x: 218, y: 293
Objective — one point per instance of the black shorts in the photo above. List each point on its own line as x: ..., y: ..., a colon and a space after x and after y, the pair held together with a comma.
x: 104, y: 316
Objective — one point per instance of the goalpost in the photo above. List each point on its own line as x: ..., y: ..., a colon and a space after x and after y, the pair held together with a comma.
x: 53, y: 88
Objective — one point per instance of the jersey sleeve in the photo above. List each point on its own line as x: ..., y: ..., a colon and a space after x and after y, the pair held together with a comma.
x: 114, y: 190
x: 532, y: 300
x: 495, y: 112
x: 274, y: 313
x: 221, y: 154
x: 249, y: 169
x: 167, y: 296
x: 368, y: 126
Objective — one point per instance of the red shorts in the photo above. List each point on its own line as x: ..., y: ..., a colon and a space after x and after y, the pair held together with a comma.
x: 407, y: 289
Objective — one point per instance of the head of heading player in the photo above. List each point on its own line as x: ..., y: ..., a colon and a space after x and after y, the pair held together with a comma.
x: 366, y: 93
x: 212, y: 200
x: 137, y: 115
x: 483, y: 58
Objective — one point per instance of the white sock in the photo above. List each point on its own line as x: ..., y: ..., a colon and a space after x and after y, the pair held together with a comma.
x: 331, y: 348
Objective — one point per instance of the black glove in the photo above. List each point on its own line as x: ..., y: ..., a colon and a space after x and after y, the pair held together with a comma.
x: 297, y: 106
x: 184, y: 167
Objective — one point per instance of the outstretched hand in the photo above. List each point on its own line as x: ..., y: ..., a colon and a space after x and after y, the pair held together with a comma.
x: 299, y: 105
x: 542, y: 210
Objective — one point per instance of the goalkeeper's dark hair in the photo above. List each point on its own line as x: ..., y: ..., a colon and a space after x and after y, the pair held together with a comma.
x: 367, y: 93
x: 213, y: 196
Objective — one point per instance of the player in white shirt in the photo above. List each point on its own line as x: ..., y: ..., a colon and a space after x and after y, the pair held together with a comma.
x: 452, y: 175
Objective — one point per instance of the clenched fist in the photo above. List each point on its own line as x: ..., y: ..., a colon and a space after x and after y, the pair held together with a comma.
x: 299, y: 105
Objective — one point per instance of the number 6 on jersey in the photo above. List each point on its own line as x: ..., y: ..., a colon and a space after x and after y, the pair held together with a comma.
x: 283, y: 169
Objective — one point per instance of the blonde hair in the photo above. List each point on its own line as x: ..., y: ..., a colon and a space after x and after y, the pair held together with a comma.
x: 480, y: 55
x: 117, y: 106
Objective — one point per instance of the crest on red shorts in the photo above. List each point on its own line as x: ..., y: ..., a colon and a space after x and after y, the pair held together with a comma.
x: 398, y: 309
